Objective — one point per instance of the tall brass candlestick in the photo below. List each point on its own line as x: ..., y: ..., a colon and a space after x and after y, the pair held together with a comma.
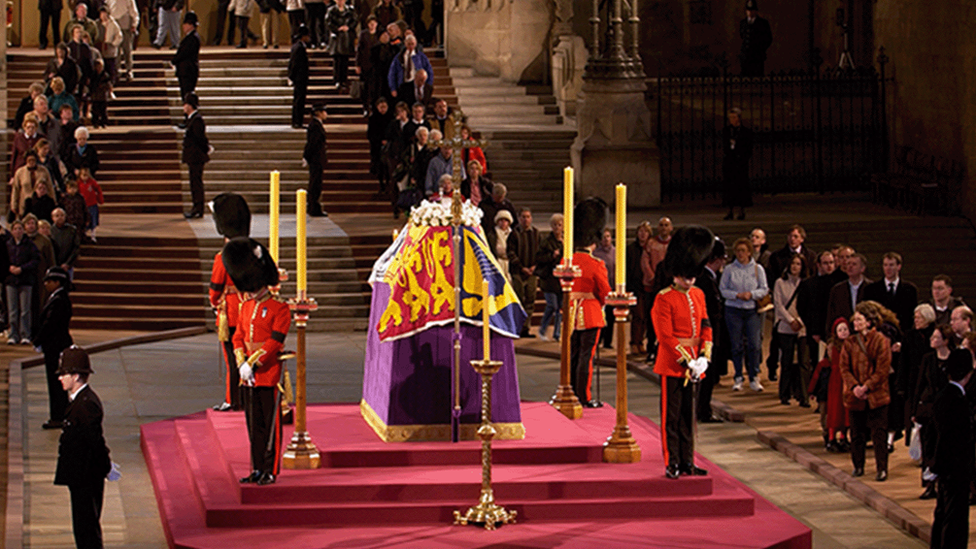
x: 301, y: 452
x: 486, y: 512
x: 621, y: 447
x: 565, y: 399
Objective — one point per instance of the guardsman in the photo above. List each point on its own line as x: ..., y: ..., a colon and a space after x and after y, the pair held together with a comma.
x: 588, y: 297
x: 261, y: 329
x: 232, y: 217
x: 684, y: 336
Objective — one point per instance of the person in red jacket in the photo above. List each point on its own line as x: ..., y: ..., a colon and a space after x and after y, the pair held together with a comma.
x: 684, y: 334
x: 588, y: 297
x: 232, y: 217
x: 261, y: 329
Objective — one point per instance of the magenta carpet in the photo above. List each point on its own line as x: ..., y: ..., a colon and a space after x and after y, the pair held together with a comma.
x: 374, y: 494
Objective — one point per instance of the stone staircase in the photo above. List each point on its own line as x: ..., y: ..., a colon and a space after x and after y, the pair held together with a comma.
x: 528, y: 145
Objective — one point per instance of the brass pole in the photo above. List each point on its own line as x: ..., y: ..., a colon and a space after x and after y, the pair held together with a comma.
x: 620, y: 446
x: 301, y: 452
x: 565, y: 399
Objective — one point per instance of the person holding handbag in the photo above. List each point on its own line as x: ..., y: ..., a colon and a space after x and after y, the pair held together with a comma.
x: 865, y: 361
x: 789, y: 327
x: 743, y: 285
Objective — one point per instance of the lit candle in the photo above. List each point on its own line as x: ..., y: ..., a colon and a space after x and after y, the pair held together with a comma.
x: 274, y: 207
x: 484, y: 314
x: 300, y: 198
x: 621, y: 263
x: 568, y: 214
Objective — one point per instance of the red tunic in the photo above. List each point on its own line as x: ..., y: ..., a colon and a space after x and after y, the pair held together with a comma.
x: 263, y: 324
x: 683, y: 331
x: 594, y: 285
x: 222, y: 287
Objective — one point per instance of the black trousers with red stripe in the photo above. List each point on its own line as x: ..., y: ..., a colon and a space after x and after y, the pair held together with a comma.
x: 232, y: 385
x: 676, y: 417
x: 582, y: 349
x: 263, y: 414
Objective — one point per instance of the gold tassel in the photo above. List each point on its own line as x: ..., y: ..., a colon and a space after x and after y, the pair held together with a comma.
x: 289, y: 393
x: 223, y: 325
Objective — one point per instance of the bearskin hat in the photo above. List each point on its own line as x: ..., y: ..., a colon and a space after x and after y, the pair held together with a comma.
x: 688, y: 251
x: 231, y: 215
x: 249, y: 264
x: 589, y: 219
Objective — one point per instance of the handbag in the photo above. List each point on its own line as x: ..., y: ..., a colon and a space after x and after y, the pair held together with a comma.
x: 915, y: 447
x: 356, y: 89
x: 764, y: 303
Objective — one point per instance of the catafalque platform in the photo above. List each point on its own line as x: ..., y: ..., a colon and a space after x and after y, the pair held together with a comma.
x: 369, y: 493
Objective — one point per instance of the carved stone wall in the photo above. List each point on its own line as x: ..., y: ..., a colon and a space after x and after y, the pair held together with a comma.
x: 505, y: 38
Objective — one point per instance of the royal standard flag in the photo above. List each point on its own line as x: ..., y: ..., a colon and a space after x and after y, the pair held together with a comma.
x: 420, y: 273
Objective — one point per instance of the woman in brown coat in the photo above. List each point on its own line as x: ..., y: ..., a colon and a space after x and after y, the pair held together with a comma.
x: 865, y: 361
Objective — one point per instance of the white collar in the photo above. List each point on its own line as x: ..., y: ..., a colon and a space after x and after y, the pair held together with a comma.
x: 890, y: 282
x: 73, y: 395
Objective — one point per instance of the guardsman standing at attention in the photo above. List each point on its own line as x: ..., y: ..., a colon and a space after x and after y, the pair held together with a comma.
x: 261, y: 329
x: 588, y: 297
x: 684, y: 336
x: 232, y: 218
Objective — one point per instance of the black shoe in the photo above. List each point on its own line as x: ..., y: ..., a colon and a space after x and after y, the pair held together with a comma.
x: 240, y: 46
x: 844, y: 445
x: 891, y: 448
x: 51, y: 424
x: 728, y: 217
x: 297, y: 126
x: 252, y: 478
x: 193, y: 214
x: 318, y: 213
x: 784, y: 401
x: 881, y: 476
x: 833, y: 448
x: 804, y: 404
x: 593, y: 404
x: 929, y: 492
x: 691, y: 470
x: 772, y: 376
x: 672, y: 472
x: 858, y: 473
x: 266, y: 478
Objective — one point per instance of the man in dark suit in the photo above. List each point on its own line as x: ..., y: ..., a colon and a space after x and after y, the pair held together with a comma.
x: 756, y: 38
x: 708, y: 282
x: 315, y: 158
x: 83, y: 457
x: 187, y: 58
x: 420, y: 90
x: 196, y: 151
x: 899, y: 296
x: 53, y: 337
x: 298, y: 76
x: 953, y: 462
x: 845, y: 295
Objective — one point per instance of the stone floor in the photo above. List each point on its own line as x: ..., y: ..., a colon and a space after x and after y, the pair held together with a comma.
x: 148, y: 382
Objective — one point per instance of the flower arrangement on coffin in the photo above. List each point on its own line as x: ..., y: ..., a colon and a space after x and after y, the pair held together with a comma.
x: 438, y: 214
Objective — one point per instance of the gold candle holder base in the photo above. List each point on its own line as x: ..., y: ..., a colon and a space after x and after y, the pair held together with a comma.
x: 565, y: 399
x: 301, y: 453
x: 620, y: 446
x: 486, y: 512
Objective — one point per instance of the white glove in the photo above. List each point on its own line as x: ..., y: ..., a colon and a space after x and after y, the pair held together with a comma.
x: 698, y: 367
x: 247, y: 374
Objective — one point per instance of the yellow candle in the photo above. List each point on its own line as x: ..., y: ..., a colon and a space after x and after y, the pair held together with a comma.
x: 274, y: 209
x: 300, y: 198
x: 568, y: 213
x: 486, y: 334
x: 621, y: 263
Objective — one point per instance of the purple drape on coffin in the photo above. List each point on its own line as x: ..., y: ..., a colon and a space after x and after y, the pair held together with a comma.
x: 408, y: 381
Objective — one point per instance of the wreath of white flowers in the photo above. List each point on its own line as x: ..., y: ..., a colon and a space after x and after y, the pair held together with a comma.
x: 438, y: 214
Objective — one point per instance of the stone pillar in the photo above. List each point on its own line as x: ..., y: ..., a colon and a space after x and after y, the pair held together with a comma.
x: 613, y: 139
x: 5, y: 136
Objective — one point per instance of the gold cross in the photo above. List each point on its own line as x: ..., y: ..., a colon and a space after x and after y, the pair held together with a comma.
x: 457, y: 144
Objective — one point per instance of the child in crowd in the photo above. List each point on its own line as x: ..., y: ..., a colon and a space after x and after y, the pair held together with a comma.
x: 74, y: 205
x: 830, y: 395
x: 101, y: 90
x: 92, y: 192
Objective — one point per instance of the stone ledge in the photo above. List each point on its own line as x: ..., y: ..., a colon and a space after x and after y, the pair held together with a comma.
x: 896, y: 514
